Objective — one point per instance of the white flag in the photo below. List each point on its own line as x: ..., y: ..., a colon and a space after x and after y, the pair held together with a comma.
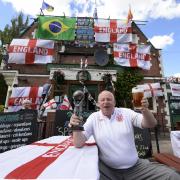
x: 65, y: 104
x: 109, y: 30
x: 152, y: 89
x: 50, y: 104
x: 20, y: 93
x: 51, y: 158
x: 175, y: 89
x: 132, y: 55
x: 31, y: 51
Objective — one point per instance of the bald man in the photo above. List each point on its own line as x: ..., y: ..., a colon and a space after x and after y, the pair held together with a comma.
x: 112, y: 129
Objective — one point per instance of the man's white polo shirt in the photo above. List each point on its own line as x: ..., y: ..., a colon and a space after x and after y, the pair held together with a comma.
x: 115, y: 136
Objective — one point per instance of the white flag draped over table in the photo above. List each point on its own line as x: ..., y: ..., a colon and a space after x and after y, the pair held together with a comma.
x: 152, y: 89
x: 132, y: 55
x: 51, y: 158
x: 109, y: 30
x: 20, y: 93
x: 175, y: 89
x: 31, y: 51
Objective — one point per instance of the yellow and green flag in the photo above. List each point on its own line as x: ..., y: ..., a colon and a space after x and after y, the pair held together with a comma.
x: 56, y: 28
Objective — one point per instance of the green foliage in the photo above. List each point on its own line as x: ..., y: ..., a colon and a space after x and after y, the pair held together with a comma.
x: 3, y: 89
x: 14, y: 30
x: 126, y: 80
x: 1, y: 108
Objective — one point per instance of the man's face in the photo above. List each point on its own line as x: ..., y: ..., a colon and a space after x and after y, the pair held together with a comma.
x: 27, y: 106
x: 106, y: 103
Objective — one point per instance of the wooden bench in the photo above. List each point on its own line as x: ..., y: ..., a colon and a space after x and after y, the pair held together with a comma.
x: 168, y: 159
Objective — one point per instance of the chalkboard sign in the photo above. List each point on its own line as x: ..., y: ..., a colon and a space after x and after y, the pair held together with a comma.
x: 143, y: 142
x: 17, y: 129
x: 62, y: 118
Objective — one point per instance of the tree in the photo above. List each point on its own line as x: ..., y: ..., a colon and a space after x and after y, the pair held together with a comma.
x: 14, y: 30
x: 126, y: 80
x: 3, y: 89
x: 10, y: 31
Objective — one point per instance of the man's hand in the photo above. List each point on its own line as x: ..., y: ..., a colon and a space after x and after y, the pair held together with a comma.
x: 74, y: 121
x: 144, y: 103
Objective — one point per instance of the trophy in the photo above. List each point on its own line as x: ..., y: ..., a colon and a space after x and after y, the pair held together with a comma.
x: 78, y: 98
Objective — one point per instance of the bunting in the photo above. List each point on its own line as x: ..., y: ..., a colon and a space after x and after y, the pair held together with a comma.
x: 132, y: 55
x: 31, y: 51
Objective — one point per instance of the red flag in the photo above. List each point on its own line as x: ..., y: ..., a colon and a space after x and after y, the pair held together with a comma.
x: 129, y: 16
x: 65, y: 104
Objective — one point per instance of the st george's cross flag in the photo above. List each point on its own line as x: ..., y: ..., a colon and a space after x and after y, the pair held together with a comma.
x: 51, y: 158
x: 56, y: 28
x: 152, y: 89
x: 20, y: 93
x: 175, y: 89
x: 31, y: 51
x: 50, y: 104
x: 109, y: 30
x: 65, y: 104
x: 132, y: 55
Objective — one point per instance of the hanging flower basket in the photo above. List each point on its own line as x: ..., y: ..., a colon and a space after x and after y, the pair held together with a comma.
x: 59, y: 77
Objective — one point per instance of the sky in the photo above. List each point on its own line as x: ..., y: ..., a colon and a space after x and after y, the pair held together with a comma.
x: 160, y: 19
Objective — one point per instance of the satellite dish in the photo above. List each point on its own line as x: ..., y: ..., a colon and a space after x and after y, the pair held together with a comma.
x: 101, y: 57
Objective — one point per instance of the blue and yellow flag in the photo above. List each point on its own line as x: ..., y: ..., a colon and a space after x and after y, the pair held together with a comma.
x: 46, y: 6
x: 56, y: 28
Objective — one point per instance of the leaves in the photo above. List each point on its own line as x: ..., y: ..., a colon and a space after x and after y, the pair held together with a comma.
x: 126, y: 80
x: 14, y: 30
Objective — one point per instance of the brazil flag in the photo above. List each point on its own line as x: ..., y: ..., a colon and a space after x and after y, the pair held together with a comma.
x: 56, y: 28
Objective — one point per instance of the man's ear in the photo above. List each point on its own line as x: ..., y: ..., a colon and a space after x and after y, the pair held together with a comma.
x: 97, y: 104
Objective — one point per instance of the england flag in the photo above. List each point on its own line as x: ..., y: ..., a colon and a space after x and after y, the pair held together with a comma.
x: 20, y: 93
x: 31, y: 51
x: 132, y: 55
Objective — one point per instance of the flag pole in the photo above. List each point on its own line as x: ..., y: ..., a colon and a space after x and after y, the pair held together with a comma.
x: 41, y: 12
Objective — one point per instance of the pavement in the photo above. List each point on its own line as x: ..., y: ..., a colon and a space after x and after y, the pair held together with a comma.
x: 164, y: 143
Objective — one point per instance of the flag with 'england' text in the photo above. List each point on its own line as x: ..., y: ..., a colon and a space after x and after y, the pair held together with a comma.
x: 132, y: 55
x: 21, y: 93
x: 31, y: 51
x: 56, y: 28
x: 112, y: 30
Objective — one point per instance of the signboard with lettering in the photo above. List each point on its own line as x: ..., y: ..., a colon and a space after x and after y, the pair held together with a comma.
x: 62, y: 120
x: 143, y: 142
x: 85, y: 32
x: 17, y: 129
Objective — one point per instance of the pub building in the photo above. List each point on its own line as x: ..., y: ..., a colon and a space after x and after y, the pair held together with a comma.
x: 88, y: 63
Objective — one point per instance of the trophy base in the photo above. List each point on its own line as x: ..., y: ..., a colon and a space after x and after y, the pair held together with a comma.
x: 77, y: 128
